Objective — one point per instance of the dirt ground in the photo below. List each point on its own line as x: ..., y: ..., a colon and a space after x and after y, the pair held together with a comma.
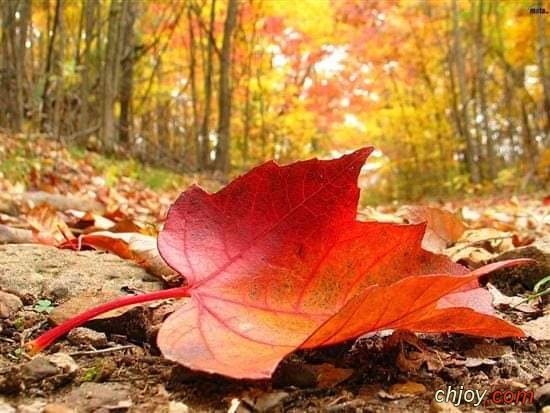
x: 121, y: 370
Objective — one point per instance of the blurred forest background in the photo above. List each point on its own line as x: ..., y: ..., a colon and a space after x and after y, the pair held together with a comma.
x: 454, y: 94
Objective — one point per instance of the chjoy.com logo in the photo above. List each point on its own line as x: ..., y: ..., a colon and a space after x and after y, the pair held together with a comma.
x: 460, y: 395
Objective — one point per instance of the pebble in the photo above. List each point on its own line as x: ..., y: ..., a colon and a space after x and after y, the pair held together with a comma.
x: 39, y: 368
x: 57, y: 408
x: 178, y: 407
x: 87, y: 336
x: 445, y: 407
x: 35, y: 407
x: 64, y: 362
x: 6, y: 408
x: 58, y: 292
x: 294, y: 374
x: 11, y: 381
x: 94, y: 396
x: 268, y: 401
x: 542, y: 396
x: 10, y: 304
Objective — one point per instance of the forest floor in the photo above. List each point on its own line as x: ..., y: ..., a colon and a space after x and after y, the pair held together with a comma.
x: 113, y: 365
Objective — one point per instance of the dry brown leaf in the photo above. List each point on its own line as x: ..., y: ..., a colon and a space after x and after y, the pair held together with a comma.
x: 409, y: 388
x: 329, y: 376
x: 484, y: 350
x: 9, y: 235
x: 47, y: 225
x: 443, y: 228
x: 501, y: 301
x: 539, y: 329
x: 85, y: 220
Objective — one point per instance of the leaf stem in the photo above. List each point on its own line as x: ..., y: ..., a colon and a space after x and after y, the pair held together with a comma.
x: 53, y: 334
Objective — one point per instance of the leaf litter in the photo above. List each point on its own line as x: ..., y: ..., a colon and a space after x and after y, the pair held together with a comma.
x: 350, y: 360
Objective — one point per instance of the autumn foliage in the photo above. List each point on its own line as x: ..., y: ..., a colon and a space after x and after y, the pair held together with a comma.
x: 277, y: 261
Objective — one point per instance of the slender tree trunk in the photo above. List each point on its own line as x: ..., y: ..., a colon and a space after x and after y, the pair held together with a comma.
x: 480, y: 57
x: 12, y: 68
x: 224, y: 99
x: 248, y: 98
x: 529, y: 144
x: 21, y: 39
x: 58, y: 106
x: 127, y: 78
x: 471, y: 153
x: 542, y: 19
x: 46, y: 93
x: 89, y: 11
x: 204, y: 143
x: 193, y: 84
x: 110, y: 75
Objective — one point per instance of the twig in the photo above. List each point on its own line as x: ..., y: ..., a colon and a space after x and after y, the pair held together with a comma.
x: 100, y: 351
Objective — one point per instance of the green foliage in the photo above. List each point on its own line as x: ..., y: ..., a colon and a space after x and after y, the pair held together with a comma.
x: 541, y: 288
x: 91, y: 374
x: 43, y: 306
x: 19, y: 323
x: 18, y: 352
x: 17, y: 164
x: 114, y: 169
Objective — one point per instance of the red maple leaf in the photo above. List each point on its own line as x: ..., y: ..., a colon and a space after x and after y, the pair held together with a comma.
x: 277, y: 261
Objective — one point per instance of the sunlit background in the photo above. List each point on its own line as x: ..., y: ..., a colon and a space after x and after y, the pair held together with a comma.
x: 455, y: 95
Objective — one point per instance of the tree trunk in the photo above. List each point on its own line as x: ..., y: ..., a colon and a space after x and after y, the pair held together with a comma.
x: 127, y: 78
x: 193, y: 84
x: 50, y: 71
x: 110, y: 75
x: 480, y: 56
x: 89, y: 11
x: 245, y: 150
x: 12, y: 68
x: 204, y: 138
x: 58, y: 105
x: 224, y: 98
x: 543, y: 75
x: 471, y: 153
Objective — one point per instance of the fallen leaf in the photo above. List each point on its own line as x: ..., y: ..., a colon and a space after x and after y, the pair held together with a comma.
x: 478, y: 246
x: 539, y: 328
x: 277, y: 261
x: 505, y: 302
x: 85, y: 220
x: 126, y: 225
x: 443, y: 228
x: 407, y: 389
x: 418, y: 310
x: 329, y: 376
x: 407, y: 360
x: 522, y: 241
x: 100, y: 241
x: 278, y: 254
x: 472, y: 362
x: 48, y: 227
